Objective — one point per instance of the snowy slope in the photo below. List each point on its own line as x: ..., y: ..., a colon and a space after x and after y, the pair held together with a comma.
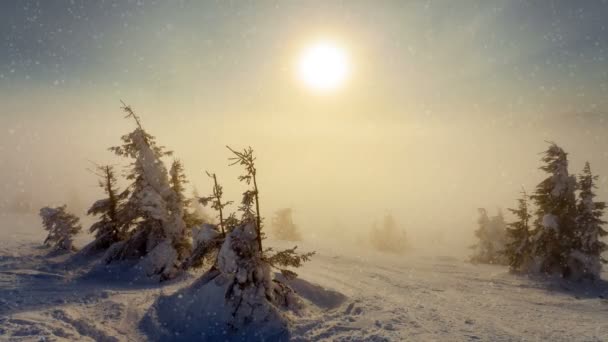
x: 352, y: 296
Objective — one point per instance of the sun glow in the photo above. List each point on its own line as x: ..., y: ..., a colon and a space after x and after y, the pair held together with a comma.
x: 323, y: 66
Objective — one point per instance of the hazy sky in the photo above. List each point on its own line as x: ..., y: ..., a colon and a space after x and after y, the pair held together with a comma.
x: 446, y: 110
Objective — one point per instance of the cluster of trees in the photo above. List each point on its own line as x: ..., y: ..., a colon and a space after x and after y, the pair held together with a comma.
x: 562, y: 233
x: 154, y: 224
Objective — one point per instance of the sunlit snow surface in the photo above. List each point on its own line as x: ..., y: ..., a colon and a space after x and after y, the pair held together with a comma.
x: 351, y: 295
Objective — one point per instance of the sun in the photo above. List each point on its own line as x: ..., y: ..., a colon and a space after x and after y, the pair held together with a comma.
x: 323, y: 66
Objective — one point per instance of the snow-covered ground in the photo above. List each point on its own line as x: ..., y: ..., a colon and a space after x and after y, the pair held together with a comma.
x: 353, y: 295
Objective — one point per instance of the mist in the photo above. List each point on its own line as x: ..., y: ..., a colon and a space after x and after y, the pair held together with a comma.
x: 339, y: 173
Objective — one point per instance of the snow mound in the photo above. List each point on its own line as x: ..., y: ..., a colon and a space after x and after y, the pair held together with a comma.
x: 201, y: 313
x: 316, y: 294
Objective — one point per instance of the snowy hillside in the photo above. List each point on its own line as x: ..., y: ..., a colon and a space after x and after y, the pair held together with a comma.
x: 350, y: 296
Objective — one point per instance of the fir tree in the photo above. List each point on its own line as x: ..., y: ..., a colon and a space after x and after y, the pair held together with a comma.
x: 153, y: 208
x: 283, y: 226
x: 491, y: 235
x: 388, y: 237
x: 518, y: 249
x: 216, y: 203
x: 109, y: 229
x: 250, y: 210
x: 178, y: 182
x: 251, y: 196
x: 555, y: 226
x: 588, y: 247
x: 208, y: 239
x: 62, y: 227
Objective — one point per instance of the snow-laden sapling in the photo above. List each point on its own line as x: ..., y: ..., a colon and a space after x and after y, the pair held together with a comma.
x: 283, y: 227
x: 492, y: 239
x: 61, y: 226
x: 108, y: 229
x: 253, y: 296
x: 250, y: 209
x: 554, y: 230
x: 586, y: 256
x: 158, y: 240
x: 518, y: 249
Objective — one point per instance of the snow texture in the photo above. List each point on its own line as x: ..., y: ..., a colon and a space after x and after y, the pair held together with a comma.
x: 550, y: 222
x: 348, y: 295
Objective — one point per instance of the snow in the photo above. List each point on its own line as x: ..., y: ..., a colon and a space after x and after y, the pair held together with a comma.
x: 348, y: 295
x: 550, y: 222
x: 204, y: 234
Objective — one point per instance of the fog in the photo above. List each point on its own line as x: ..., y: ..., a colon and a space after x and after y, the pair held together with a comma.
x: 340, y: 174
x: 446, y: 110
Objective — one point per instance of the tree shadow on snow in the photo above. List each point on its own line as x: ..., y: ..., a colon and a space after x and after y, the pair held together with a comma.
x: 584, y: 289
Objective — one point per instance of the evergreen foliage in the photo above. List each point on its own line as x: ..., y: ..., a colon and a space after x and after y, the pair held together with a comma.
x: 518, y: 248
x: 554, y: 233
x: 389, y: 237
x: 109, y: 229
x: 588, y: 248
x: 283, y: 227
x: 153, y: 209
x: 61, y: 226
x: 492, y: 239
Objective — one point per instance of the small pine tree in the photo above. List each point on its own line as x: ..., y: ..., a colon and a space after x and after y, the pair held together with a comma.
x: 586, y: 258
x: 250, y: 210
x: 109, y: 229
x: 554, y: 227
x: 62, y: 227
x: 518, y: 249
x: 492, y: 236
x: 283, y: 227
x: 216, y: 203
x: 208, y: 239
x: 178, y: 182
x: 251, y: 196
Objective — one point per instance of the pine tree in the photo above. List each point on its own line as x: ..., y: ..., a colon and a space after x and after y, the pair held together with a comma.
x: 588, y: 248
x: 209, y: 238
x: 109, y: 229
x: 178, y: 182
x: 389, y: 238
x: 153, y: 208
x: 554, y: 227
x: 216, y: 203
x: 492, y: 238
x: 518, y: 249
x: 62, y: 227
x: 283, y: 226
x: 250, y: 210
x: 251, y: 196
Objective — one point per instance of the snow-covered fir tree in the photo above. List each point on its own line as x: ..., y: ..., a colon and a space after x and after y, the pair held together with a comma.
x: 586, y: 256
x: 492, y: 238
x: 554, y: 233
x: 252, y: 293
x: 283, y: 227
x: 388, y: 237
x: 61, y: 226
x: 178, y: 182
x: 154, y: 210
x: 518, y: 248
